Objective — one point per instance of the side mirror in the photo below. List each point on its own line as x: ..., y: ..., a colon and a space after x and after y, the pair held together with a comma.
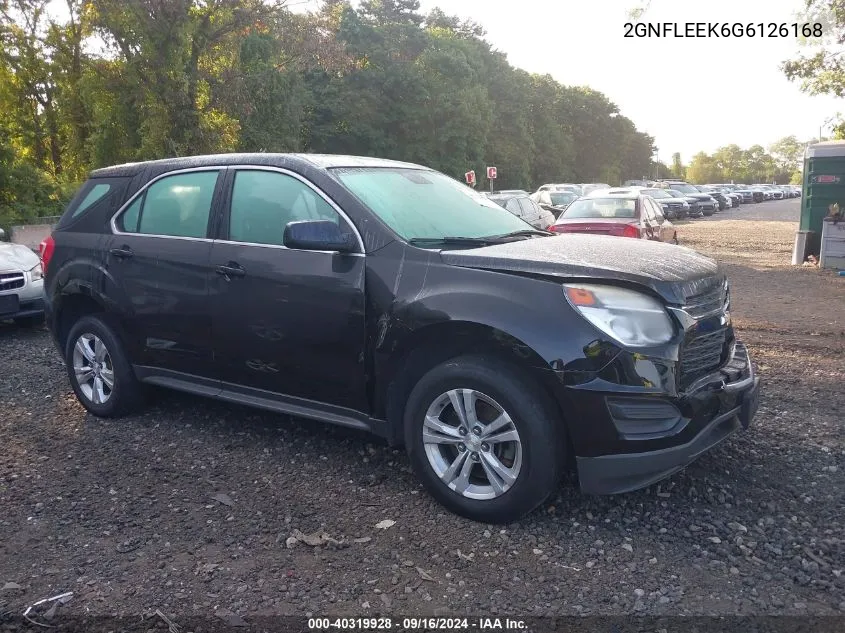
x: 318, y: 235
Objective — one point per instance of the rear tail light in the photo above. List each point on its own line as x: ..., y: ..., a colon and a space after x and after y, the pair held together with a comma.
x: 631, y: 230
x: 45, y: 251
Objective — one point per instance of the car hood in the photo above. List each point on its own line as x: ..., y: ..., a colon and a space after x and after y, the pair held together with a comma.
x: 674, y: 272
x: 14, y: 257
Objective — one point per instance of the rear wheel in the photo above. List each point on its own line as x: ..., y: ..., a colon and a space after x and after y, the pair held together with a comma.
x: 485, y: 441
x: 99, y: 370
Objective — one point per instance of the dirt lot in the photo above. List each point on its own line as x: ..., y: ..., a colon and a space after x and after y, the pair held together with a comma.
x: 188, y: 506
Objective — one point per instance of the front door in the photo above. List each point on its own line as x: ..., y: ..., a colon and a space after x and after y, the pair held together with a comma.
x: 286, y: 321
x: 157, y: 262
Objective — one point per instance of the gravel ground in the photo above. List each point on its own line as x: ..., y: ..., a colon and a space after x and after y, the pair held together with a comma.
x: 190, y: 506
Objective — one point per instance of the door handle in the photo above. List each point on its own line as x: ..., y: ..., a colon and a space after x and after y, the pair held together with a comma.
x: 230, y: 270
x: 123, y: 253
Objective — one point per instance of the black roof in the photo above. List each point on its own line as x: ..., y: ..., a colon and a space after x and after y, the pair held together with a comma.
x: 321, y: 161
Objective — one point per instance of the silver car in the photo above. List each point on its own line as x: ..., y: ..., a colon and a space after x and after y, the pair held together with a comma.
x: 21, y: 285
x: 525, y: 208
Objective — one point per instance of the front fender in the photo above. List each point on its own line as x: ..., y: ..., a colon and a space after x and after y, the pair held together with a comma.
x: 530, y: 311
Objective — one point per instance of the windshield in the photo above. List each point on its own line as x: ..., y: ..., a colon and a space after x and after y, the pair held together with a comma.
x: 684, y: 188
x: 656, y: 193
x: 423, y: 204
x: 561, y: 198
x: 601, y: 208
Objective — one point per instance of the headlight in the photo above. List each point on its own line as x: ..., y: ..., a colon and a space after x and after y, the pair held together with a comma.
x: 631, y: 318
x: 686, y: 205
x: 36, y: 273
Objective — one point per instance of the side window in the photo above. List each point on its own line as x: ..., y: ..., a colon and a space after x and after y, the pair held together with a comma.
x: 177, y: 206
x: 128, y: 222
x: 529, y: 210
x: 95, y: 194
x: 658, y: 211
x: 512, y: 205
x: 264, y: 202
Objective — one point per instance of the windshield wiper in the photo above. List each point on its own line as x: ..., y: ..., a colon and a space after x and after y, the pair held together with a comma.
x: 522, y: 233
x: 478, y: 241
x: 473, y: 241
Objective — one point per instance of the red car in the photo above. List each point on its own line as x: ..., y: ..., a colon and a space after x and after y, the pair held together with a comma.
x: 621, y: 214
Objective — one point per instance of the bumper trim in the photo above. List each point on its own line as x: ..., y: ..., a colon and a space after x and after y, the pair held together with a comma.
x: 28, y: 308
x: 625, y: 472
x: 616, y: 474
x: 740, y: 385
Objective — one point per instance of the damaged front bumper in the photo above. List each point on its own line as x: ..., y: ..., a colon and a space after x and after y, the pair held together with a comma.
x: 715, y: 410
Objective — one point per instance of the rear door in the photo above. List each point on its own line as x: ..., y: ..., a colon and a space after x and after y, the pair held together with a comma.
x: 157, y: 260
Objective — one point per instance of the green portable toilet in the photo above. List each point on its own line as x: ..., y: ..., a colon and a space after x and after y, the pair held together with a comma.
x: 824, y: 184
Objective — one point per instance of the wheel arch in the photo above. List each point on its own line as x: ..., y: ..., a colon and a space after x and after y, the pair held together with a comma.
x: 75, y: 302
x: 431, y: 345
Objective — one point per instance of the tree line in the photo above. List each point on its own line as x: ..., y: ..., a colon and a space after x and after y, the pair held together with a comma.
x: 782, y: 163
x: 87, y: 83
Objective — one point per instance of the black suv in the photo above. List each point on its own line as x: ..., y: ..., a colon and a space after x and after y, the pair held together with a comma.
x: 388, y: 297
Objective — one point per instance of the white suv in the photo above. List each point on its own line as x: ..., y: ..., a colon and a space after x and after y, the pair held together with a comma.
x: 21, y: 285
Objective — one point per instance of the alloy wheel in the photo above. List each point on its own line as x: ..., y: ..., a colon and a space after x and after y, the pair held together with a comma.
x: 93, y: 369
x: 472, y: 444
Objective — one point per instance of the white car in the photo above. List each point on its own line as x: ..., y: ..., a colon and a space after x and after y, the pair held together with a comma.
x: 613, y: 191
x: 560, y: 187
x: 587, y: 188
x: 21, y: 285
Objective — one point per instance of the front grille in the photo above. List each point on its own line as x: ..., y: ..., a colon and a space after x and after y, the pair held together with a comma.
x: 11, y: 281
x: 702, y: 354
x: 706, y: 303
x: 707, y: 341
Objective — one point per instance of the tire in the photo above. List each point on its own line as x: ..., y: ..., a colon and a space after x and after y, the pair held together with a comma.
x: 35, y: 320
x: 538, y: 456
x: 110, y: 360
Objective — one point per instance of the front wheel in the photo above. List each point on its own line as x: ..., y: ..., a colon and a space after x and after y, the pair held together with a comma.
x: 485, y: 441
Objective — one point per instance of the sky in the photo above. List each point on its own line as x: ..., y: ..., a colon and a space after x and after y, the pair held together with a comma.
x: 690, y: 94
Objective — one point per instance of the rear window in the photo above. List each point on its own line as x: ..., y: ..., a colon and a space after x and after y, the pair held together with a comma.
x: 562, y: 198
x: 96, y: 194
x: 601, y: 208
